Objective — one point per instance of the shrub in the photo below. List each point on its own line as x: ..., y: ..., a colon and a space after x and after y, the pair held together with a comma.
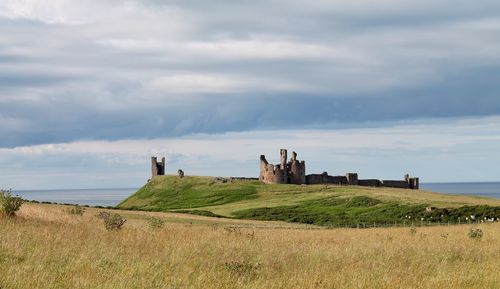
x: 112, y: 222
x: 9, y: 205
x: 76, y: 210
x: 241, y: 268
x: 233, y: 230
x: 155, y: 223
x: 475, y: 234
x: 103, y: 215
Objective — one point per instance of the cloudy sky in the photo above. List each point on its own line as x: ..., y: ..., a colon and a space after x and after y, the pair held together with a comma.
x: 89, y: 90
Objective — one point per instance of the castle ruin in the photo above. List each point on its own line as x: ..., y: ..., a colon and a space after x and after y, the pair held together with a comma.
x: 157, y: 168
x: 294, y: 172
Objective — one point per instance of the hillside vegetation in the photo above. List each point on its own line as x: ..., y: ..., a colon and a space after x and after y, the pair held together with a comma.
x: 45, y: 247
x: 329, y: 205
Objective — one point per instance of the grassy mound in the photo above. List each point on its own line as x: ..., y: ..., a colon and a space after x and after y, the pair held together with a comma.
x: 327, y: 205
x: 167, y: 192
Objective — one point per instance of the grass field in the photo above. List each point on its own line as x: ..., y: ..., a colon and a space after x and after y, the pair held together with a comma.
x: 328, y: 205
x: 45, y: 247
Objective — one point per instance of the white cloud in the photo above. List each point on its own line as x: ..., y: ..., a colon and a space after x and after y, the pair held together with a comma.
x: 55, y: 11
x: 431, y: 150
x: 179, y: 83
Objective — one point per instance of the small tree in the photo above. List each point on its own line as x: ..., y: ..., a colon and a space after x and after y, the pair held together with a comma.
x: 9, y: 205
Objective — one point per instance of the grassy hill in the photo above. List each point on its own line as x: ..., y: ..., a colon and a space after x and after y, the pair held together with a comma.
x: 329, y: 205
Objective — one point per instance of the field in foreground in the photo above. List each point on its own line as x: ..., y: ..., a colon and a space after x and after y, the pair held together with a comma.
x: 45, y: 247
x: 326, y: 205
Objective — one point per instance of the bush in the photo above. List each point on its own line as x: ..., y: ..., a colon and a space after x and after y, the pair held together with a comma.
x: 103, y: 215
x: 9, y: 205
x: 241, y: 268
x: 112, y: 222
x: 475, y: 234
x: 155, y: 223
x: 76, y: 210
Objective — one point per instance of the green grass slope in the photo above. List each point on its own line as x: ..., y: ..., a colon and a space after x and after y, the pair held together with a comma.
x: 165, y: 193
x: 312, y: 204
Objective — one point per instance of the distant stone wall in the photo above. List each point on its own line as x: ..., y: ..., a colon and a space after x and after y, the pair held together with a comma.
x: 370, y: 183
x: 396, y: 184
x: 352, y: 179
x: 324, y: 178
x: 157, y: 168
x: 233, y: 179
x: 414, y: 183
x: 243, y: 179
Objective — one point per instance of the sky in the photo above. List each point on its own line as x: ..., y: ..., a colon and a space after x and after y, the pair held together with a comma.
x: 90, y: 90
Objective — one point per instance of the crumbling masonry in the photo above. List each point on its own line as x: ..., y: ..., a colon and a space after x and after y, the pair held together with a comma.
x: 157, y: 168
x: 294, y: 172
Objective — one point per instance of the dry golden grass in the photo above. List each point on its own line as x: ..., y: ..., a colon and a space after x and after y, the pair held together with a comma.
x: 47, y: 248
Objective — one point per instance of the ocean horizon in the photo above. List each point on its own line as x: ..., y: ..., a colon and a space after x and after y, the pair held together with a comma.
x: 113, y: 196
x: 92, y: 197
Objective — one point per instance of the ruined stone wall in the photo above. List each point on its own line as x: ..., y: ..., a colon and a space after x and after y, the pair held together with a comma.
x: 297, y: 171
x: 414, y: 183
x: 324, y: 178
x: 271, y: 174
x: 395, y: 184
x: 352, y: 179
x: 316, y: 179
x: 157, y: 168
x: 370, y: 183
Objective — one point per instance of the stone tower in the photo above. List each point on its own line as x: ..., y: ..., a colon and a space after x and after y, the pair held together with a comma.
x: 157, y: 168
x: 283, y: 157
x: 296, y: 170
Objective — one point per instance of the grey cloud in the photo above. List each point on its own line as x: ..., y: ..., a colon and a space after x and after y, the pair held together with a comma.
x: 164, y: 69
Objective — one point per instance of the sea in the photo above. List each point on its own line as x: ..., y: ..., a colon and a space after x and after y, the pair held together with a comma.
x: 112, y: 197
x: 485, y: 189
x: 91, y: 197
